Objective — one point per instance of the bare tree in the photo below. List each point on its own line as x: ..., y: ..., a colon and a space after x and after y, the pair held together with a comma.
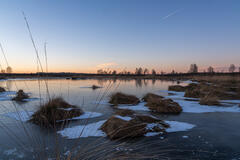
x: 153, y: 72
x: 145, y: 71
x: 114, y: 72
x: 100, y: 71
x: 210, y: 69
x: 193, y: 68
x: 232, y: 68
x: 9, y: 69
x: 139, y: 71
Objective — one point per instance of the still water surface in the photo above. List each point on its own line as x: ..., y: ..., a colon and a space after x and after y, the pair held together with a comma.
x: 216, y: 135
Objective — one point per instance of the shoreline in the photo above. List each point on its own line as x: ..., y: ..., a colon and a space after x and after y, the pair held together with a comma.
x: 75, y: 76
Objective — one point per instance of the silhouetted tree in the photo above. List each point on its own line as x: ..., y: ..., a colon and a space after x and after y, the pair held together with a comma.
x: 232, y: 68
x: 193, y: 68
x: 100, y: 71
x: 146, y: 71
x: 9, y: 69
x: 139, y: 71
x: 114, y: 72
x: 210, y: 69
x: 153, y: 72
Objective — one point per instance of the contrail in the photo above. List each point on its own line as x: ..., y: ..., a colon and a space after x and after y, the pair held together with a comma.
x: 171, y: 14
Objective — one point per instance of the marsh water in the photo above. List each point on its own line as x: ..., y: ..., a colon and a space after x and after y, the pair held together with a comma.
x: 216, y: 135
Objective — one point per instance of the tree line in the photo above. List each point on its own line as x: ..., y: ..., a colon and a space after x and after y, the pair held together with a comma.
x: 145, y: 71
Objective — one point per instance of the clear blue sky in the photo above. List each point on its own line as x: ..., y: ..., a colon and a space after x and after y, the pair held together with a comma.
x: 83, y: 36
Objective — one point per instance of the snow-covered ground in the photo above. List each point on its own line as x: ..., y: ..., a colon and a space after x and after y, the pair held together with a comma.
x: 176, y: 126
x: 89, y: 130
x: 125, y: 118
x: 25, y: 115
x: 139, y: 107
x: 92, y: 129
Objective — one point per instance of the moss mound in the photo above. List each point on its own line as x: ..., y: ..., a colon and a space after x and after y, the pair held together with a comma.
x: 177, y: 88
x: 21, y: 96
x: 55, y: 111
x: 159, y: 104
x: 124, y: 112
x: 117, y: 128
x: 121, y: 98
x: 2, y: 89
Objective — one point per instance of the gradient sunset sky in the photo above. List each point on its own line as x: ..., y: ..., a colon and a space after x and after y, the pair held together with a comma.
x: 83, y: 36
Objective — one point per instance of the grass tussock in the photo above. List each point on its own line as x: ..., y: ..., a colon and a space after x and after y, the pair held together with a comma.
x: 222, y: 90
x: 210, y: 100
x: 121, y: 98
x: 54, y: 111
x: 177, y: 88
x: 117, y: 128
x: 95, y: 87
x: 150, y: 96
x: 21, y: 96
x: 159, y: 104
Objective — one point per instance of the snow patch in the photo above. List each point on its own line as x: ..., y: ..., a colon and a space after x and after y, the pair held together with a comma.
x: 189, y: 81
x: 176, y: 126
x: 139, y: 107
x: 150, y: 126
x: 126, y: 118
x: 89, y: 130
x: 195, y: 107
x: 26, y: 115
x: 87, y: 115
x: 191, y: 105
x: 150, y: 134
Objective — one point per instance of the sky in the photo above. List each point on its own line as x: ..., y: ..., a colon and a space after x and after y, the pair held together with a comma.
x: 87, y: 35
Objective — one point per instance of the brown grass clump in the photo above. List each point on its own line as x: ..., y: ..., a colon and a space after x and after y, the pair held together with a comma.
x: 210, y: 100
x: 2, y: 89
x: 21, y: 96
x: 117, y: 128
x: 196, y: 90
x: 95, y: 87
x: 124, y: 112
x: 222, y: 90
x: 159, y: 104
x: 150, y: 96
x: 177, y: 88
x: 56, y: 110
x: 121, y: 98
